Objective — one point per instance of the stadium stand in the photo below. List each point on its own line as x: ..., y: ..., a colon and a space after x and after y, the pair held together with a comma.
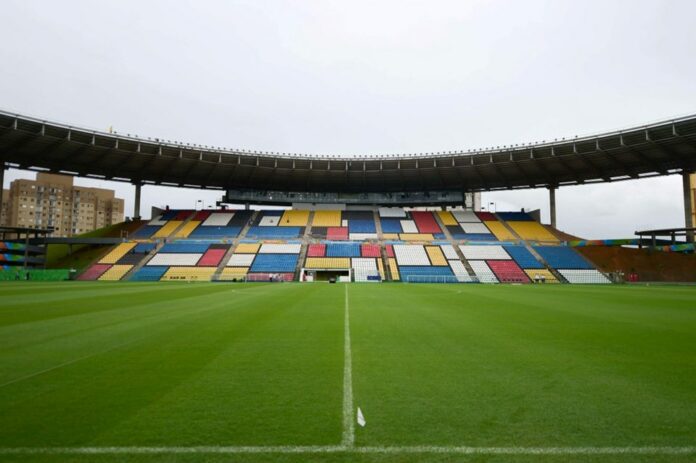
x: 194, y: 246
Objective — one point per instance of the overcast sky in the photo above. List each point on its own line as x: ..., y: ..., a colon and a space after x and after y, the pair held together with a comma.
x: 364, y: 77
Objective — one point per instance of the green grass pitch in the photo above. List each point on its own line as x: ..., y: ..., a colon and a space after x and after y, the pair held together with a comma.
x: 175, y: 372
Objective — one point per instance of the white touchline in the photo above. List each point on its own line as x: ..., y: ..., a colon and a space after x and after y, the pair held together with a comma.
x: 424, y: 449
x: 348, y: 426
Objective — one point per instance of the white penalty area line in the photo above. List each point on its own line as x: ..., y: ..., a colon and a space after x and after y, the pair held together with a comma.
x: 427, y: 449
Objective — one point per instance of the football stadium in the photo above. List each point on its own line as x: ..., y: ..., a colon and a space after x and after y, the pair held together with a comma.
x: 338, y: 308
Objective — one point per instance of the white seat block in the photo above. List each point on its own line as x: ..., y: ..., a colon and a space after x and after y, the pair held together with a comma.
x: 411, y: 254
x: 474, y: 228
x: 483, y: 271
x: 241, y: 260
x: 392, y: 212
x: 409, y: 226
x: 175, y: 259
x: 584, y: 276
x: 269, y: 221
x: 465, y: 216
x: 449, y: 252
x: 460, y: 271
x: 362, y: 236
x: 218, y: 219
x: 157, y: 221
x: 484, y: 252
x: 280, y: 249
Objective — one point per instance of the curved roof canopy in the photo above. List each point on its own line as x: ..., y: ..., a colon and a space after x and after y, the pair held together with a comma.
x: 656, y: 149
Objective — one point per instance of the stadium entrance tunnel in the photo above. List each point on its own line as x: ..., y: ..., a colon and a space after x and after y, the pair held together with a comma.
x: 326, y: 274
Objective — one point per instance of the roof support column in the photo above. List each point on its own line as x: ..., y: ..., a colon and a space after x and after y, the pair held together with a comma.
x: 552, y: 204
x: 689, y: 193
x: 136, y: 205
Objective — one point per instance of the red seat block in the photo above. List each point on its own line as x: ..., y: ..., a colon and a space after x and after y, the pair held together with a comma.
x: 94, y: 272
x: 370, y: 250
x: 390, y: 250
x: 337, y: 233
x: 316, y: 250
x: 182, y: 215
x: 486, y: 216
x: 508, y: 271
x: 425, y: 222
x: 211, y: 258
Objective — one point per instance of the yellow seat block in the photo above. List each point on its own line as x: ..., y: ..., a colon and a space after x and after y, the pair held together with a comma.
x: 293, y: 218
x: 390, y: 236
x: 436, y: 256
x: 115, y: 254
x: 499, y: 230
x: 115, y: 273
x: 189, y: 273
x: 531, y: 273
x: 167, y: 229
x: 327, y: 219
x: 380, y: 267
x: 532, y: 231
x: 327, y: 262
x: 247, y: 248
x: 394, y: 269
x: 187, y: 229
x: 233, y: 273
x: 416, y: 236
x: 447, y: 218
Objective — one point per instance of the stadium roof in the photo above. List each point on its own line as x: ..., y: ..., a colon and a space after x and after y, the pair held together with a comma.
x: 656, y: 149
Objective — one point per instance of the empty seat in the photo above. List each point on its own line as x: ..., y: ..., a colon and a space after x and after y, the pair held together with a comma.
x: 370, y: 250
x: 149, y: 273
x: 547, y: 276
x: 167, y: 229
x: 327, y: 263
x: 189, y: 273
x: 494, y: 252
x: 274, y: 263
x: 362, y: 236
x: 294, y: 218
x: 483, y: 271
x: 500, y: 231
x: 116, y: 253
x: 474, y: 228
x: 211, y: 232
x: 562, y: 257
x: 362, y: 226
x: 184, y: 247
x: 364, y: 269
x: 145, y: 232
x: 507, y: 271
x: 247, y: 248
x: 186, y: 230
x: 241, y: 260
x: 409, y: 226
x: 466, y: 216
x: 343, y: 250
x: 427, y: 274
x: 449, y: 252
x: 175, y: 259
x: 523, y: 257
x: 474, y: 236
x: 392, y: 212
x: 486, y: 216
x: 391, y: 226
x: 212, y: 257
x: 115, y: 273
x: 416, y: 237
x: 425, y: 221
x: 280, y: 249
x: 144, y: 247
x: 316, y: 250
x: 532, y: 231
x: 584, y: 276
x: 218, y: 219
x: 337, y: 233
x: 436, y: 256
x: 393, y: 269
x: 233, y: 273
x: 459, y: 271
x: 326, y: 219
x: 410, y: 254
x: 446, y: 218
x: 269, y: 221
